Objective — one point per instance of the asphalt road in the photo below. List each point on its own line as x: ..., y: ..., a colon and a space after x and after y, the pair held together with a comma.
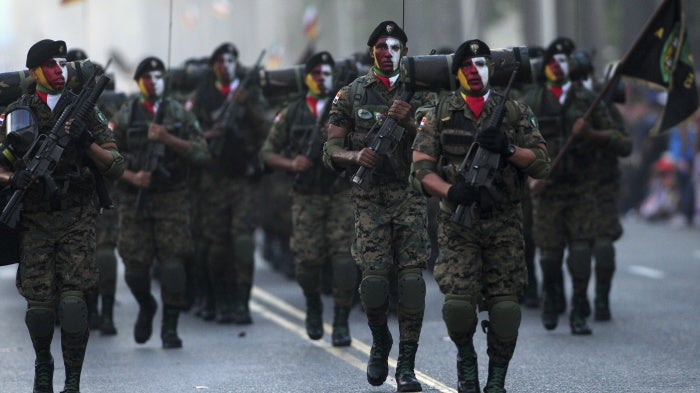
x: 651, y: 345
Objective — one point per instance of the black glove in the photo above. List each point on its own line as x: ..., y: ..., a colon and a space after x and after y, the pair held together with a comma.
x: 463, y: 194
x: 20, y: 179
x: 83, y: 141
x: 493, y: 139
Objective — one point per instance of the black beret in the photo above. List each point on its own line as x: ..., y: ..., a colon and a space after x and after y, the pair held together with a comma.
x: 44, y: 50
x: 559, y: 45
x: 319, y: 58
x: 469, y: 49
x: 387, y: 29
x: 226, y: 47
x: 147, y: 65
x: 76, y: 54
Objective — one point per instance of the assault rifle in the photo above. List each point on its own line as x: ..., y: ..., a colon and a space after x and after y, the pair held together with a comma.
x: 480, y: 165
x: 155, y: 151
x: 231, y: 112
x: 52, y: 145
x: 313, y: 138
x: 384, y: 142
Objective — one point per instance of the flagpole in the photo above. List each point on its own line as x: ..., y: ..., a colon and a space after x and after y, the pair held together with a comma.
x: 612, y: 81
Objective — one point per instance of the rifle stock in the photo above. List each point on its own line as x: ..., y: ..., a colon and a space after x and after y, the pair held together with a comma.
x: 42, y: 165
x: 313, y: 147
x: 384, y: 142
x: 480, y: 165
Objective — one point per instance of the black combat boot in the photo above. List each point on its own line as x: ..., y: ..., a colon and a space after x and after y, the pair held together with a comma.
x: 107, y: 327
x: 43, y: 373
x: 405, y: 375
x: 378, y: 364
x: 91, y: 299
x: 314, y: 316
x: 577, y: 319
x: 341, y: 330
x: 72, y: 381
x: 496, y: 381
x: 241, y: 313
x: 467, y: 369
x: 168, y: 331
x: 550, y: 311
x: 224, y: 302
x: 144, y: 322
x: 602, y: 302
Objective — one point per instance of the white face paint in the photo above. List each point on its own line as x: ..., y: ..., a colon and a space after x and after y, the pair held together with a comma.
x: 588, y: 83
x: 482, y: 68
x: 563, y: 61
x: 395, y: 50
x: 327, y: 74
x: 158, y: 82
x: 229, y: 61
x: 61, y: 61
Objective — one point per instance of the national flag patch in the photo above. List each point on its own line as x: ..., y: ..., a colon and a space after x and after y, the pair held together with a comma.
x: 337, y: 97
x: 423, y: 121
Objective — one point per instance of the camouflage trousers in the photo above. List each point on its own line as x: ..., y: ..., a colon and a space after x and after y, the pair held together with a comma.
x: 107, y: 234
x: 322, y: 231
x: 391, y: 234
x: 57, y: 253
x: 607, y: 215
x: 563, y: 214
x: 160, y: 230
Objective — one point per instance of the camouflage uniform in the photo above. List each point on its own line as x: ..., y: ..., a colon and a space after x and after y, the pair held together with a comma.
x: 57, y: 243
x: 159, y: 226
x: 321, y: 216
x: 228, y: 187
x: 390, y: 217
x: 484, y: 264
x: 562, y: 211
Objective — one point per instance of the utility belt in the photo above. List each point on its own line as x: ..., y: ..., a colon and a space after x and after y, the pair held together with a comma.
x: 485, y: 212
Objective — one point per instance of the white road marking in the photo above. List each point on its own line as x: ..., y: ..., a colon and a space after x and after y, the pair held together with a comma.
x: 647, y: 272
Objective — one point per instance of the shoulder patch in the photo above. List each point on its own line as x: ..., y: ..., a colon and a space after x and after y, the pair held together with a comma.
x: 533, y: 122
x: 337, y: 97
x: 278, y: 118
x: 422, y: 123
x: 101, y: 117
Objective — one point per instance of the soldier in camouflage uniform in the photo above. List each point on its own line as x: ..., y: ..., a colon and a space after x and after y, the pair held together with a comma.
x: 390, y: 217
x: 232, y: 117
x: 154, y: 207
x: 482, y: 264
x: 106, y: 233
x: 562, y: 203
x: 321, y: 212
x: 57, y: 237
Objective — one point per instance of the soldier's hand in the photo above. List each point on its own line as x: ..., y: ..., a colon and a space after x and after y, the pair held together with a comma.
x: 581, y: 128
x: 301, y: 164
x: 537, y: 186
x: 157, y: 132
x: 463, y: 193
x: 367, y: 158
x: 493, y: 139
x: 82, y: 141
x: 142, y: 179
x: 401, y: 112
x: 214, y: 132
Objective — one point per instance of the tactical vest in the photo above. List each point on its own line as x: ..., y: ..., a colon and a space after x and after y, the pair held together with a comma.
x: 369, y: 112
x: 457, y: 133
x: 302, y: 132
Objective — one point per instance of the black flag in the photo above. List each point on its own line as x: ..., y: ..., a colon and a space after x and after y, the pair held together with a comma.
x: 662, y: 57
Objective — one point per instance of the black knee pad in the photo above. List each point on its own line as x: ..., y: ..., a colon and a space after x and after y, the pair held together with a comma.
x: 139, y: 282
x: 40, y: 319
x: 504, y: 317
x: 411, y: 291
x: 374, y: 292
x: 172, y: 277
x: 459, y: 314
x: 579, y: 260
x: 604, y: 253
x: 72, y: 312
x: 309, y: 278
x: 344, y: 273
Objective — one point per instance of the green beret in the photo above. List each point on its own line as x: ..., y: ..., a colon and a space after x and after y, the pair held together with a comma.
x: 44, y: 50
x: 226, y: 47
x: 147, y: 65
x: 387, y: 29
x: 469, y: 49
x: 319, y: 58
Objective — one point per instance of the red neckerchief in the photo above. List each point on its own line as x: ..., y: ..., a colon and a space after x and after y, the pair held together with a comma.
x: 311, y: 102
x: 476, y: 104
x: 149, y: 106
x: 557, y: 91
x: 384, y: 80
x: 44, y: 96
x: 224, y: 90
